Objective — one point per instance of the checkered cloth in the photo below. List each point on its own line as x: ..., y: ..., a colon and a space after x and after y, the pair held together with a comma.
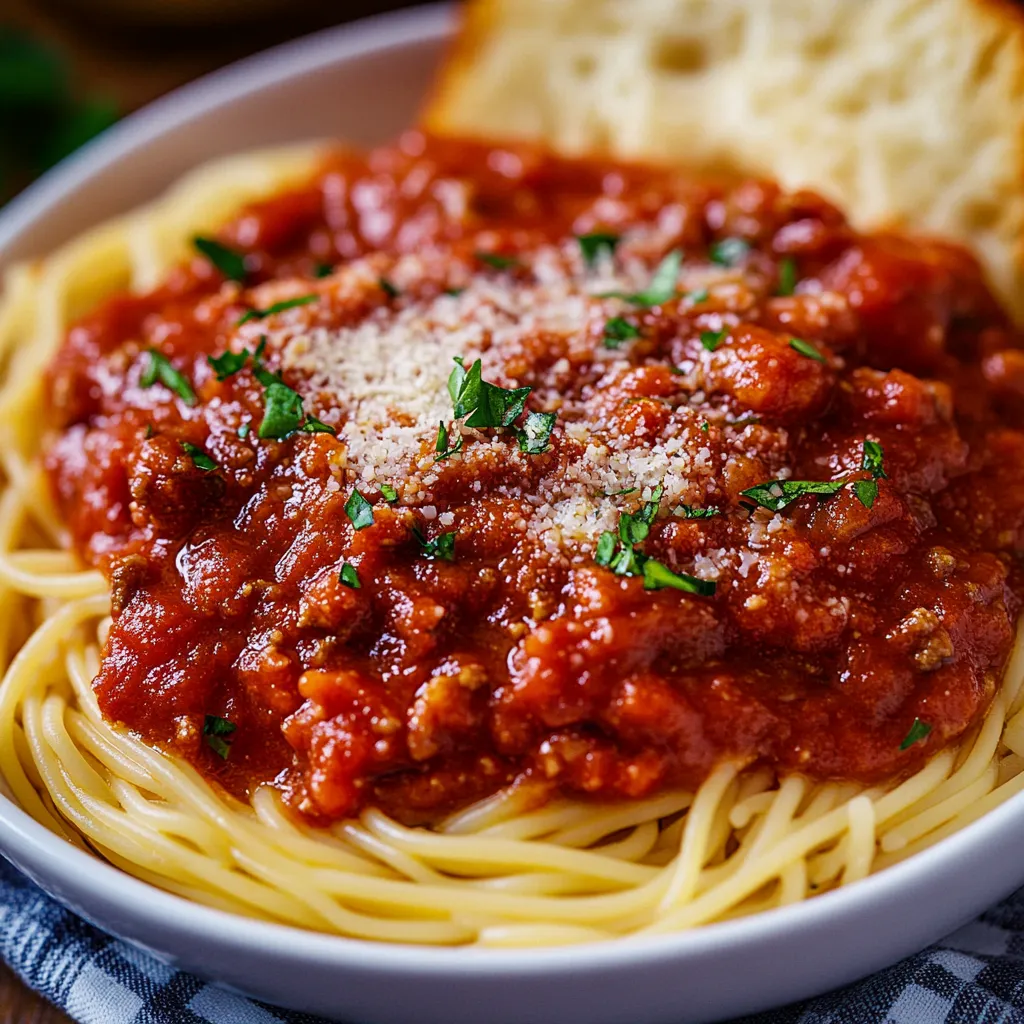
x: 975, y: 976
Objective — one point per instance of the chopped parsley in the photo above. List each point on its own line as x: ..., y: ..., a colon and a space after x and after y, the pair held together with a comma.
x: 700, y: 295
x: 314, y: 426
x: 282, y: 413
x: 618, y: 553
x: 216, y: 730
x: 454, y: 292
x: 390, y: 494
x: 200, y: 459
x: 496, y: 260
x: 229, y: 262
x: 805, y: 348
x: 872, y: 460
x: 592, y: 245
x: 867, y: 490
x: 535, y: 436
x: 692, y: 512
x: 658, y: 576
x: 787, y: 276
x: 729, y: 252
x: 705, y: 427
x: 229, y: 363
x: 388, y: 288
x: 359, y: 510
x: 615, y: 494
x: 918, y: 731
x: 349, y: 577
x: 323, y: 270
x: 662, y: 288
x: 442, y: 546
x: 775, y: 495
x: 277, y: 307
x: 442, y: 446
x: 712, y: 339
x: 158, y: 368
x: 149, y: 431
x: 484, y: 404
x: 617, y: 330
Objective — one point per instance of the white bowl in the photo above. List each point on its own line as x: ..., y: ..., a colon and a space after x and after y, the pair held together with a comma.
x: 363, y: 83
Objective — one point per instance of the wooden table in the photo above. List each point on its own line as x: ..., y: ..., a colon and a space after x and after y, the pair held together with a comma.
x: 133, y: 65
x: 20, y: 1006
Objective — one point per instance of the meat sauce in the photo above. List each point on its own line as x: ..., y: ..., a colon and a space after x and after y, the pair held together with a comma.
x: 483, y: 635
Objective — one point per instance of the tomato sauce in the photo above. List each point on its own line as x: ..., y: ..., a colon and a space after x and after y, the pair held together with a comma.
x: 847, y: 635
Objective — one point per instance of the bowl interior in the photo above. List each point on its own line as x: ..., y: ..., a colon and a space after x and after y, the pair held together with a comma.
x: 351, y: 85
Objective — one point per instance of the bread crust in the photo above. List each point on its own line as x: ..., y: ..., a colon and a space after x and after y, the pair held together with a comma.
x: 907, y: 113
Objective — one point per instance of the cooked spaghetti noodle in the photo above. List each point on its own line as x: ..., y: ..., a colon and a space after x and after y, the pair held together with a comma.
x: 518, y: 867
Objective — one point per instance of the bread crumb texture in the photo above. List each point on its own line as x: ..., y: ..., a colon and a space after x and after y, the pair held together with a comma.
x: 908, y: 113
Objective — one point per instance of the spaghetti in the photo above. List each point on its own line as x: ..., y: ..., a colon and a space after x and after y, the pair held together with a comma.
x: 520, y: 866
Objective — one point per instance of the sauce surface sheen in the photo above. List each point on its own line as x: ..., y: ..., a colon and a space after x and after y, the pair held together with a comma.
x: 840, y: 626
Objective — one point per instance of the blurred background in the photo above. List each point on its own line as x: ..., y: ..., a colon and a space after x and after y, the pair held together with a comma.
x: 70, y: 68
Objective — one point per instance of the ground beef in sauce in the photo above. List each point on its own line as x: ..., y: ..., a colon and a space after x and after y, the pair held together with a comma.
x: 484, y: 643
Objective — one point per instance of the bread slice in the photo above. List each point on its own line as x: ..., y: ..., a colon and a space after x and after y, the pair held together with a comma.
x: 907, y: 113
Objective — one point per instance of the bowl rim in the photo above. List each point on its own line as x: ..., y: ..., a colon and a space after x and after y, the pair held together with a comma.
x: 27, y: 840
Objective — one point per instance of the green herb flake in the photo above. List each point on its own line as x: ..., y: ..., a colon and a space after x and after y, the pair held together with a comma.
x: 228, y: 364
x: 617, y: 552
x: 454, y: 292
x: 658, y: 577
x: 150, y: 431
x: 616, y: 331
x: 805, y: 348
x: 359, y: 510
x: 663, y: 284
x: 314, y: 426
x: 282, y: 413
x: 484, y: 404
x: 872, y: 461
x: 277, y: 307
x: 389, y: 493
x: 775, y: 495
x: 787, y: 277
x: 349, y: 577
x: 615, y: 494
x: 712, y: 339
x: 705, y: 427
x: 692, y: 512
x: 729, y: 252
x: 442, y: 444
x: 159, y: 368
x: 592, y: 245
x: 873, y: 457
x: 866, y: 492
x: 200, y: 459
x: 323, y: 270
x: 216, y: 730
x: 244, y: 430
x: 442, y: 546
x: 496, y: 260
x: 388, y: 288
x: 229, y: 262
x: 918, y: 731
x: 535, y: 437
x: 699, y: 296
x: 606, y: 546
